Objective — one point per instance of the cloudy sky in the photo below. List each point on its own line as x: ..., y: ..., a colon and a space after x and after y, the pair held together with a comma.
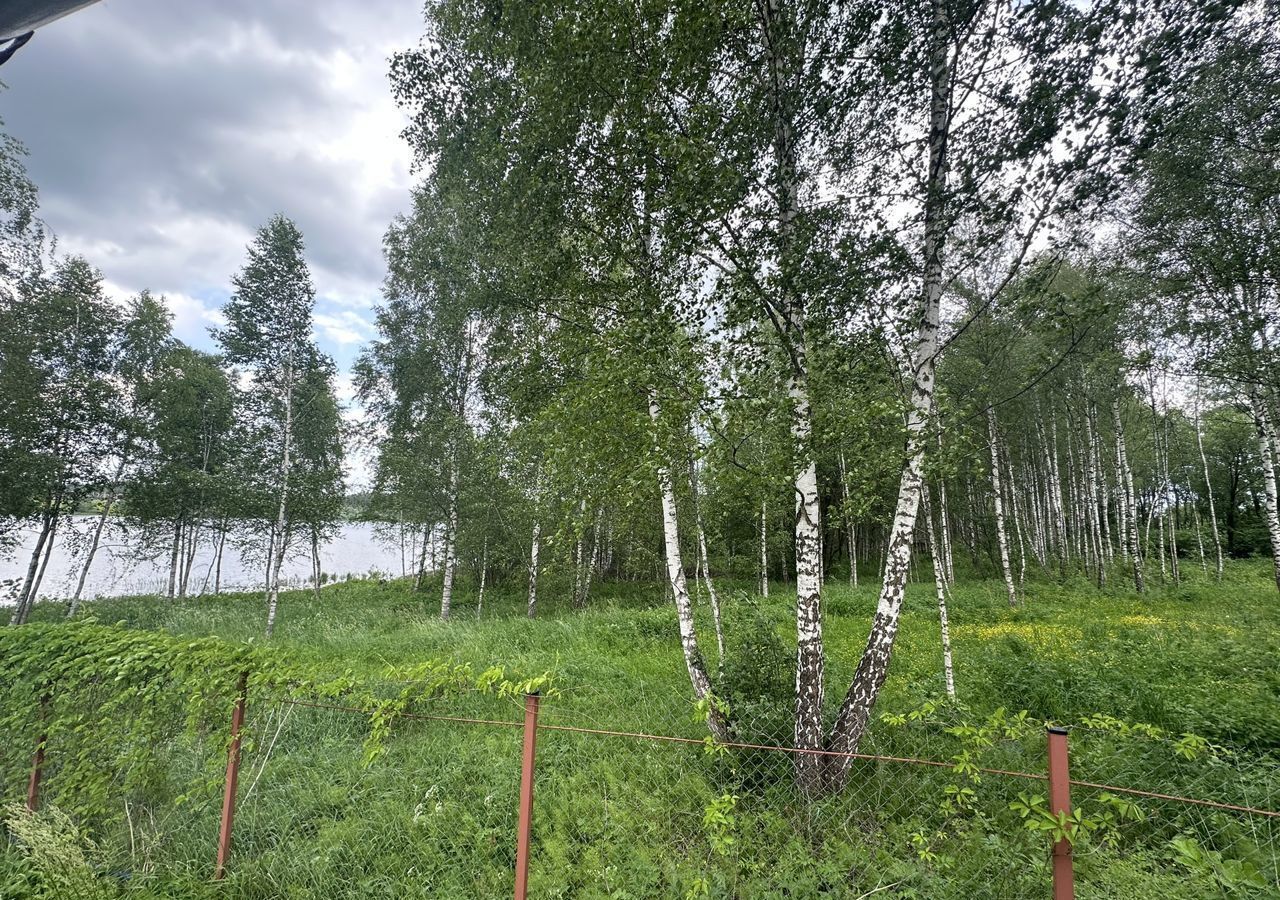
x: 163, y: 132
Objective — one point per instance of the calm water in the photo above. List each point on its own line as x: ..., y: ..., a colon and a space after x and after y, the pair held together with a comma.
x: 123, y: 565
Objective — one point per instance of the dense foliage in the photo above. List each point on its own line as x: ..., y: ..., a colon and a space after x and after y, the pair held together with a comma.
x: 733, y: 304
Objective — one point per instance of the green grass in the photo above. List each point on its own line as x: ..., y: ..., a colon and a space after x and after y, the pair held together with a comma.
x: 435, y: 816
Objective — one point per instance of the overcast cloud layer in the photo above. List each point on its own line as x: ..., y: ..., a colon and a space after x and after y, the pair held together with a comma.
x: 163, y: 132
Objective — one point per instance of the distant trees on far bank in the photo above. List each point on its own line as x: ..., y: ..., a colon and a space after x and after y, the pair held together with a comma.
x: 102, y: 407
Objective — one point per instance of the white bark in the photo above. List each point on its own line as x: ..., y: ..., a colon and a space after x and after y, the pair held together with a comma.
x: 1171, y: 514
x: 192, y: 543
x: 174, y: 551
x: 1002, y: 534
x: 810, y: 660
x: 593, y: 563
x: 534, y: 547
x: 712, y: 596
x: 1208, y: 491
x: 44, y: 564
x: 679, y: 588
x: 1090, y: 452
x: 98, y: 528
x: 217, y: 570
x: 940, y: 587
x: 1100, y: 499
x: 788, y: 315
x: 1055, y: 490
x: 1126, y: 479
x: 1266, y: 448
x: 281, y: 537
x: 849, y: 523
x: 484, y: 569
x: 764, y: 548
x: 315, y: 562
x: 450, y: 540
x: 944, y: 516
x: 27, y: 596
x: 873, y: 667
x: 579, y: 552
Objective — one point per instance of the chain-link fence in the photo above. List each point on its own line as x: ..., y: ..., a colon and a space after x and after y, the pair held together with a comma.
x: 1201, y: 815
x: 631, y: 800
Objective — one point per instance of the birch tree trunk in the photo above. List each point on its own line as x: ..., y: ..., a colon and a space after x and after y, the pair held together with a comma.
x: 484, y: 570
x: 788, y: 316
x: 1208, y: 491
x: 679, y: 588
x: 189, y: 557
x: 534, y: 547
x: 1126, y: 478
x: 1055, y: 491
x: 944, y: 512
x: 1199, y: 526
x: 873, y: 667
x: 404, y: 569
x: 174, y: 550
x: 44, y: 564
x: 419, y: 555
x: 764, y: 548
x: 1266, y: 445
x: 1100, y: 497
x: 695, y: 490
x: 579, y: 552
x: 282, y: 512
x: 587, y: 562
x: 1097, y: 520
x: 940, y: 587
x: 1074, y: 480
x: 451, y: 539
x: 810, y: 659
x: 26, y: 597
x: 315, y: 561
x: 217, y: 572
x: 1124, y: 513
x: 98, y: 527
x: 1002, y: 534
x: 849, y: 523
x: 1091, y: 506
x: 1171, y: 516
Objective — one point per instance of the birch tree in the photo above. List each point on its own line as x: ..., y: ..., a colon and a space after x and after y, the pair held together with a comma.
x: 147, y: 339
x: 969, y: 103
x: 1207, y: 225
x: 268, y: 335
x: 58, y: 404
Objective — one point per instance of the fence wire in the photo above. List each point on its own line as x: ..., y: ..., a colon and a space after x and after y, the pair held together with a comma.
x: 632, y: 801
x: 1200, y: 820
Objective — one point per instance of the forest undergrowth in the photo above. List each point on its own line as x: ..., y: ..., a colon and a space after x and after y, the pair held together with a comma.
x: 1175, y: 692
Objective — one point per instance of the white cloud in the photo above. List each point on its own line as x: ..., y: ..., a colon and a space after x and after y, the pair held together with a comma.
x: 163, y: 134
x: 344, y: 327
x: 191, y: 316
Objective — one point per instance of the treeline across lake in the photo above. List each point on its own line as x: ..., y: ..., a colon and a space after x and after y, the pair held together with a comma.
x: 101, y: 405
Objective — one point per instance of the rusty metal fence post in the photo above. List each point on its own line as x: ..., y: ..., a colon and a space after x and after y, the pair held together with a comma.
x: 1064, y: 886
x: 37, y: 763
x: 233, y: 776
x: 526, y: 795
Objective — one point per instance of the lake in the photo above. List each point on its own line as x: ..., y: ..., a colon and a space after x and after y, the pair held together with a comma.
x: 124, y: 565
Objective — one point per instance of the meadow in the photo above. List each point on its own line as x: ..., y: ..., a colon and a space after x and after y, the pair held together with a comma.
x: 1175, y: 692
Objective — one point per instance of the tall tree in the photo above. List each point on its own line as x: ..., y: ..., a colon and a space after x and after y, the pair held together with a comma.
x: 147, y: 338
x: 59, y: 341
x: 268, y: 333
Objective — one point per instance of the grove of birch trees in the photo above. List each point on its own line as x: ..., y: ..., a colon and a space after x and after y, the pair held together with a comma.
x: 740, y: 290
x: 105, y: 412
x: 745, y: 300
